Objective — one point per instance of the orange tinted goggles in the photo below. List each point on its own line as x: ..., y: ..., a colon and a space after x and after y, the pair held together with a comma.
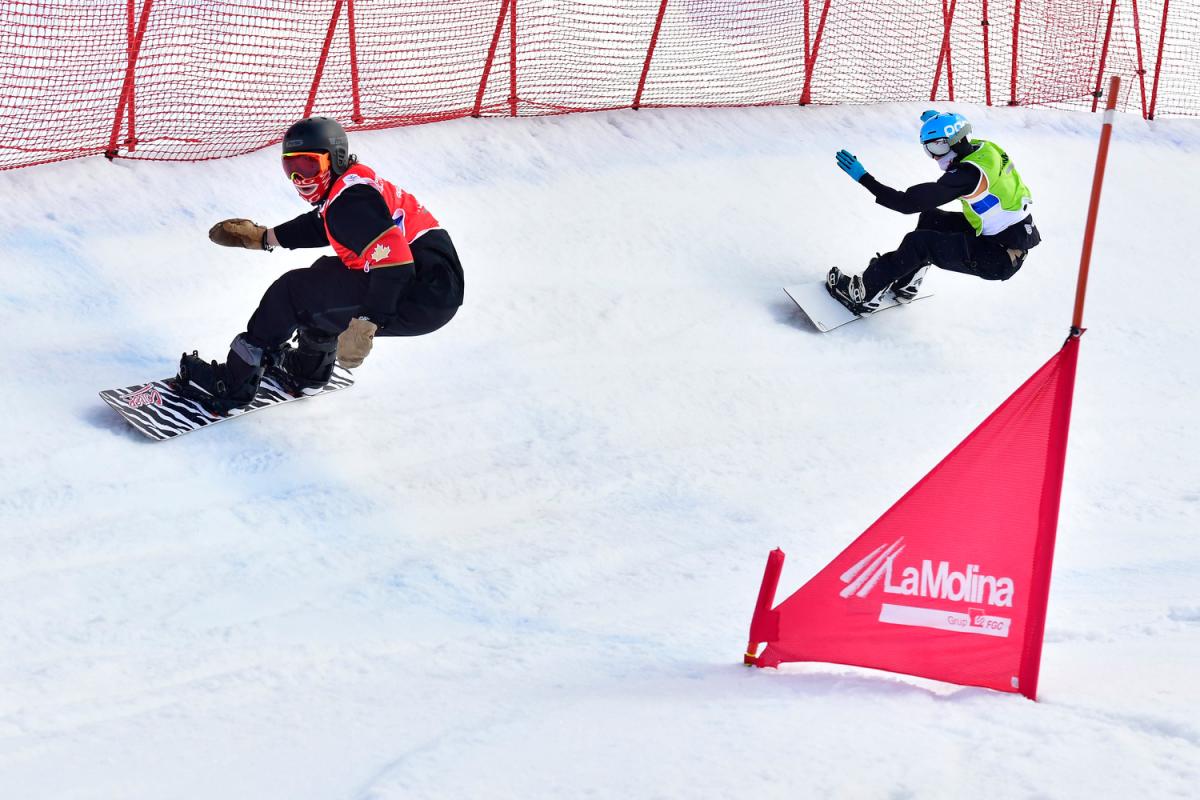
x: 305, y: 166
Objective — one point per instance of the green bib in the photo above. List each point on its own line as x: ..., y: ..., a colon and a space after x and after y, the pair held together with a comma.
x: 1006, y: 199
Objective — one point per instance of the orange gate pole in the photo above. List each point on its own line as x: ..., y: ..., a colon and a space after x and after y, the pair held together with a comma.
x: 1089, y: 231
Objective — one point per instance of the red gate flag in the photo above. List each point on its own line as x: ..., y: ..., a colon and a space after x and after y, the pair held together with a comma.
x: 951, y: 582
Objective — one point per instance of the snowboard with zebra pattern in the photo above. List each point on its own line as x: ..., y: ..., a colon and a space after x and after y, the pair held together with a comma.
x: 158, y: 411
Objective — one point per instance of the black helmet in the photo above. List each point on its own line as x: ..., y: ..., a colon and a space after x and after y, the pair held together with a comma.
x: 320, y: 134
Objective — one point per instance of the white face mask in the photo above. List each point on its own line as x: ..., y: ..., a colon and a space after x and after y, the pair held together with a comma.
x: 945, y: 161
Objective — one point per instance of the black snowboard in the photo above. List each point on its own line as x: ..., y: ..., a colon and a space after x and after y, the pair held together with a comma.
x: 158, y: 411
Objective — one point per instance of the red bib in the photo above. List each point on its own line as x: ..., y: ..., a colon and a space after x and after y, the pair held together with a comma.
x: 390, y: 248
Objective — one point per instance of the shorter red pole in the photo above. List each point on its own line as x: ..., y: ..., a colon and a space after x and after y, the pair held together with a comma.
x: 512, y: 58
x: 1141, y: 70
x: 937, y: 73
x: 637, y: 98
x: 1112, y: 10
x: 1162, y: 37
x: 1012, y: 97
x: 130, y: 110
x: 811, y: 61
x: 1089, y: 230
x: 125, y: 102
x: 987, y: 61
x: 807, y: 36
x: 491, y: 56
x: 316, y: 81
x: 357, y: 116
x: 949, y: 53
x: 759, y: 631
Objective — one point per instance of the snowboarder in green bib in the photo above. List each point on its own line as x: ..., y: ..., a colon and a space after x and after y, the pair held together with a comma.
x: 990, y: 238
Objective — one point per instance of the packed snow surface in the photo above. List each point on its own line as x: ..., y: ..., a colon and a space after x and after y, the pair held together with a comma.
x: 519, y: 558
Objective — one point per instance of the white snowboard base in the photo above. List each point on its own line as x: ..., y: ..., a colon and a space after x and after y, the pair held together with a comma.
x: 825, y: 312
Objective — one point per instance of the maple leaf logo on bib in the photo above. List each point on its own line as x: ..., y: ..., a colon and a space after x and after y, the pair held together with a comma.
x: 380, y: 253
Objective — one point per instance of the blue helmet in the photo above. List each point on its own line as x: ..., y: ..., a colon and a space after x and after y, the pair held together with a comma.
x: 941, y: 130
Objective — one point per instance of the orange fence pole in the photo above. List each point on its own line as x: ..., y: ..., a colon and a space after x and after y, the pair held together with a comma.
x: 1089, y: 231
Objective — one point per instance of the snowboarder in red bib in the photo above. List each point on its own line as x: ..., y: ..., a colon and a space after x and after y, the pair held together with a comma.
x: 396, y: 273
x: 989, y: 239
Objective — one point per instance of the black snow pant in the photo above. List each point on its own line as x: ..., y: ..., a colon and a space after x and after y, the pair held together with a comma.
x: 944, y: 239
x: 325, y: 296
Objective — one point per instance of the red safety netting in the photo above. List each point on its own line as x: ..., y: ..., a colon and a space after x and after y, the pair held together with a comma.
x: 179, y: 79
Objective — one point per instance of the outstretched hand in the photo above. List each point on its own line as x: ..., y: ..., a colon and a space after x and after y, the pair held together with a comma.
x: 239, y: 233
x: 850, y: 165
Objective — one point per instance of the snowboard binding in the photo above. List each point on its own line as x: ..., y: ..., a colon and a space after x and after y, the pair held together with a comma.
x: 850, y: 291
x: 217, y: 387
x: 304, y: 369
x: 905, y: 291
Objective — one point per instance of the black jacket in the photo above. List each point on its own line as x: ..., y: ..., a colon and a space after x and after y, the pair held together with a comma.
x: 958, y: 181
x: 356, y: 219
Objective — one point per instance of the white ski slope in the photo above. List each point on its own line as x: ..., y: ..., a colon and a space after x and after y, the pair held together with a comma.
x: 519, y: 558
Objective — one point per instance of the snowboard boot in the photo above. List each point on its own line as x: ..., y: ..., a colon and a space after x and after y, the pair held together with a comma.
x: 850, y: 292
x: 222, y: 388
x: 308, y: 366
x: 906, y: 290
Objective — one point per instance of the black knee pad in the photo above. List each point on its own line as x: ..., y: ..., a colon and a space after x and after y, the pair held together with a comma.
x: 314, y: 340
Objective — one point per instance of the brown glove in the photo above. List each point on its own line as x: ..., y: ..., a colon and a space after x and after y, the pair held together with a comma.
x: 355, y: 342
x: 239, y: 233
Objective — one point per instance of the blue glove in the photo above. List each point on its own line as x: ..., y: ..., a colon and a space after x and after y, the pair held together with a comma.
x: 849, y: 164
